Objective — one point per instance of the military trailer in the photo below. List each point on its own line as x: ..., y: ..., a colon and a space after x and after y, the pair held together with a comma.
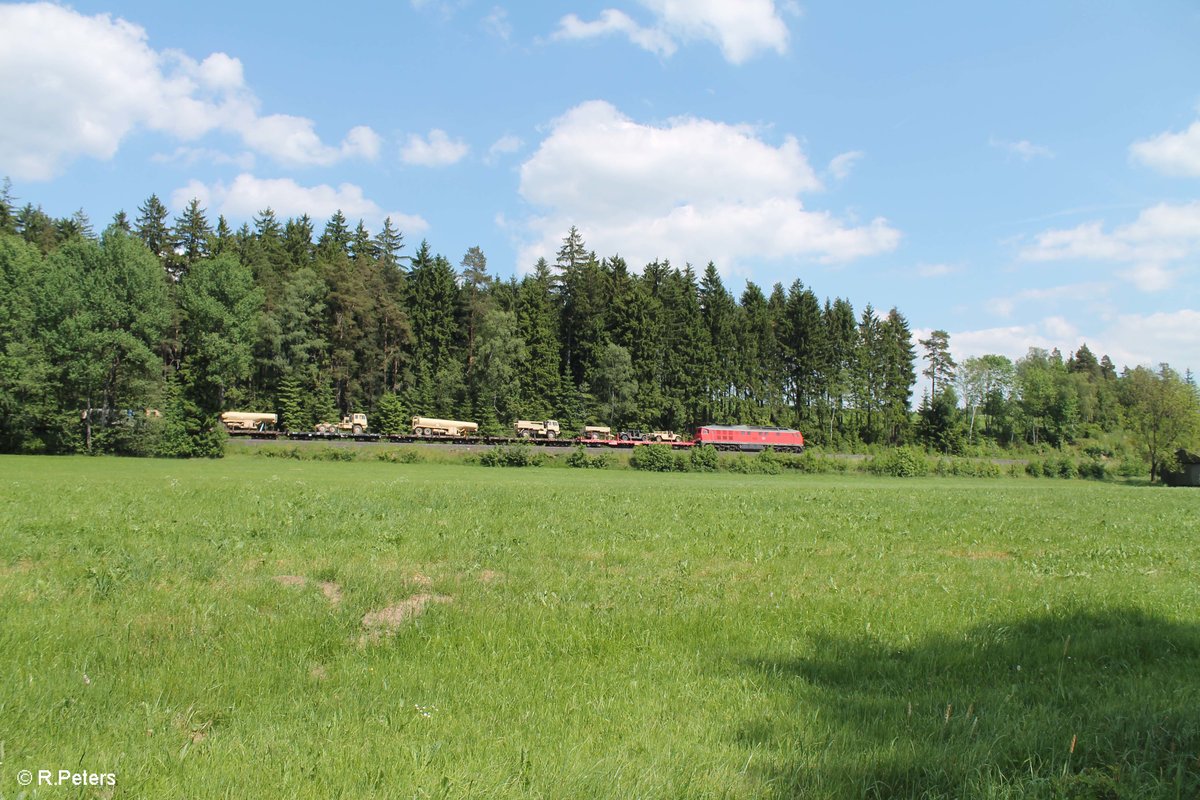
x: 429, y: 426
x: 597, y: 433
x: 242, y: 421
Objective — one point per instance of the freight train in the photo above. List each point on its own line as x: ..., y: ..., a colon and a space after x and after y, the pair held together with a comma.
x: 743, y: 438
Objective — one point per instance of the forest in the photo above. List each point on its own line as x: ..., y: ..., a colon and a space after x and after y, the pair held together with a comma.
x: 190, y: 318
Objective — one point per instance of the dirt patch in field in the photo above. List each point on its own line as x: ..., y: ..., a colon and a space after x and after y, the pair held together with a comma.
x: 982, y: 555
x: 22, y: 567
x: 421, y: 579
x: 332, y: 592
x: 387, y: 621
x: 319, y: 673
x: 490, y: 576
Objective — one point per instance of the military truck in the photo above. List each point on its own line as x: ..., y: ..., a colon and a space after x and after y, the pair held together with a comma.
x: 355, y: 423
x: 244, y: 421
x: 597, y: 432
x: 664, y: 436
x: 537, y: 429
x: 429, y: 426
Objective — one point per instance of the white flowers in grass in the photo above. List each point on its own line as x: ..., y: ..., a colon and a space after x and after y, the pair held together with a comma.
x: 425, y: 711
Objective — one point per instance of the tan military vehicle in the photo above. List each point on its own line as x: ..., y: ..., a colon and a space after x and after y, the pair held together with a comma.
x: 537, y: 429
x: 429, y: 426
x: 236, y: 421
x: 597, y: 432
x: 664, y: 436
x: 355, y: 423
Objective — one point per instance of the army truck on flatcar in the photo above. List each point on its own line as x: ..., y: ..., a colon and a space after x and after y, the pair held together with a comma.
x: 665, y: 436
x: 430, y: 426
x: 536, y: 429
x: 597, y: 432
x: 355, y: 423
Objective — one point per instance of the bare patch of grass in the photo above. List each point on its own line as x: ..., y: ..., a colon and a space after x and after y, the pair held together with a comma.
x: 387, y: 621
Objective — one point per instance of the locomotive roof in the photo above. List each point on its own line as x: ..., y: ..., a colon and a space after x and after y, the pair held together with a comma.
x: 747, y: 428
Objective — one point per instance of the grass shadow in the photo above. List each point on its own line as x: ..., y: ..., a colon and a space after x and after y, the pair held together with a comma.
x: 1087, y: 705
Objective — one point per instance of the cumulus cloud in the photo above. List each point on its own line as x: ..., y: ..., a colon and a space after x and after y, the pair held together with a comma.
x: 247, y: 195
x: 1022, y: 149
x: 1155, y: 247
x: 840, y: 165
x: 505, y: 145
x: 73, y: 85
x: 934, y: 271
x: 1072, y: 293
x: 497, y: 23
x: 435, y: 150
x: 1171, y: 153
x: 741, y: 30
x: 690, y: 189
x: 1128, y: 339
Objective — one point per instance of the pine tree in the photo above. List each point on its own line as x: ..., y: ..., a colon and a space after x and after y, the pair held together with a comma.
x: 151, y: 227
x: 388, y: 243
x: 291, y: 404
x: 537, y: 325
x: 941, y: 369
x: 336, y: 236
x: 8, y: 209
x: 390, y: 418
x: 192, y: 236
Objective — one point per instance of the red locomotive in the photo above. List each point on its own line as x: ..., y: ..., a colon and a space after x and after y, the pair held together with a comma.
x: 751, y: 437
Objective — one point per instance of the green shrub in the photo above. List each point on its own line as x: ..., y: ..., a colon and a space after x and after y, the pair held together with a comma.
x: 703, y: 458
x: 580, y: 459
x: 903, y: 462
x: 765, y: 463
x: 405, y: 455
x: 653, y: 458
x: 1132, y: 468
x: 1093, y: 469
x: 334, y: 454
x: 512, y: 455
x: 1067, y: 468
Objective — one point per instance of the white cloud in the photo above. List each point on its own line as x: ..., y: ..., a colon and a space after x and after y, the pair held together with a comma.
x: 613, y: 21
x: 740, y: 29
x: 1074, y: 294
x: 73, y: 85
x: 1171, y: 153
x: 1161, y: 237
x: 841, y: 165
x: 436, y: 150
x: 497, y: 23
x: 1022, y: 149
x: 188, y: 156
x: 1128, y: 339
x: 690, y: 190
x: 247, y: 195
x: 505, y: 145
x: 937, y: 270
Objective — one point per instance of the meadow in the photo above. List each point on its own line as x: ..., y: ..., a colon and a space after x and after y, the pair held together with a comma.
x: 268, y: 627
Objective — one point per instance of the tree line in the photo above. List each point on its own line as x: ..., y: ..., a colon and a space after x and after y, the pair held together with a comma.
x: 192, y: 318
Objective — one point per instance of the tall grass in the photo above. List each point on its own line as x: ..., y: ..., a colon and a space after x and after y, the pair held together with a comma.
x: 593, y: 633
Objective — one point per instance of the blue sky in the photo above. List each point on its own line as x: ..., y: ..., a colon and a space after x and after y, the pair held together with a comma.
x: 1022, y: 174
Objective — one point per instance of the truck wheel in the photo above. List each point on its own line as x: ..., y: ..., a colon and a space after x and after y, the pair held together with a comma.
x: 525, y: 434
x: 549, y: 434
x: 357, y: 429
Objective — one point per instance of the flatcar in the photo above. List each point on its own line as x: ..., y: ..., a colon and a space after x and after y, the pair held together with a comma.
x: 751, y: 438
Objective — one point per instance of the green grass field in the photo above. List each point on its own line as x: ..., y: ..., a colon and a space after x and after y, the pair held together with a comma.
x: 269, y: 628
